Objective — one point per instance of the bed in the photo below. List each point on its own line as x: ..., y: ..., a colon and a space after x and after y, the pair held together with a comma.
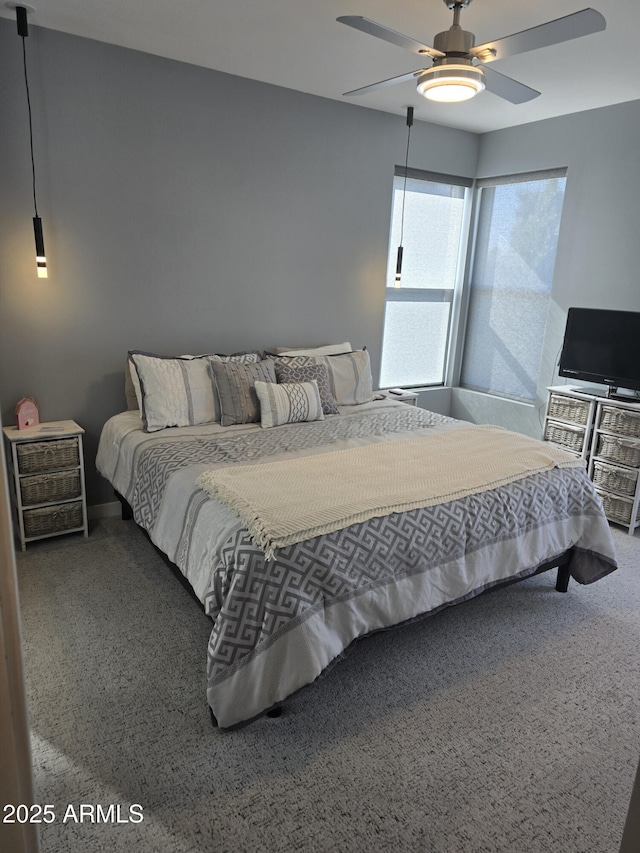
x: 286, y: 605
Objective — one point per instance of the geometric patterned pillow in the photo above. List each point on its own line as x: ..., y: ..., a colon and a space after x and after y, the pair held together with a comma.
x: 287, y: 373
x: 349, y: 374
x: 290, y: 403
x: 241, y: 357
x: 175, y: 392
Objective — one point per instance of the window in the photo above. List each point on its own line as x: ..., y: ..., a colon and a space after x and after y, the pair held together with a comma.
x: 418, y: 313
x: 510, y: 282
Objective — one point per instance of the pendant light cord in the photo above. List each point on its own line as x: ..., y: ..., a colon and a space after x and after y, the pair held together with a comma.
x: 406, y: 166
x: 33, y: 165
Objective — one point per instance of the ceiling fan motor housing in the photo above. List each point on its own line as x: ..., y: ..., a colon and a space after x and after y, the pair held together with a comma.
x: 456, y: 43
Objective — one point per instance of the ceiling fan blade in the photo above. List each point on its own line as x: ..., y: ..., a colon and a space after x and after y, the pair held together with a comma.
x: 391, y: 81
x: 554, y: 32
x: 377, y: 30
x: 505, y: 87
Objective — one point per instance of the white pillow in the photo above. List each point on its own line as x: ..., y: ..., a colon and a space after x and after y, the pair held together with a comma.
x: 174, y: 392
x: 329, y: 349
x: 290, y: 403
x: 350, y: 376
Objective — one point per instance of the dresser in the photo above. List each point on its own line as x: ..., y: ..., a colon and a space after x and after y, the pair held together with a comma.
x: 605, y: 433
x: 46, y: 476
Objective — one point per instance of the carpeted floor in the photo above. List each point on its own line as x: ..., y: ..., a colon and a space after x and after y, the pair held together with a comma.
x: 509, y: 723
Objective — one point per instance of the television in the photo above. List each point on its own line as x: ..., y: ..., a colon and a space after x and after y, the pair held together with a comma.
x: 602, y: 346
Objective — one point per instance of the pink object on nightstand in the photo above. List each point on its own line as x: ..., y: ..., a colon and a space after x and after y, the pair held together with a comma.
x: 27, y: 413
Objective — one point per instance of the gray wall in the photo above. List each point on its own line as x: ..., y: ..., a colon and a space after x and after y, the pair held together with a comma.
x: 187, y: 211
x: 598, y: 255
x: 184, y: 210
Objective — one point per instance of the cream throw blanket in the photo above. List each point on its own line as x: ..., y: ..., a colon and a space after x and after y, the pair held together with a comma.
x: 284, y: 502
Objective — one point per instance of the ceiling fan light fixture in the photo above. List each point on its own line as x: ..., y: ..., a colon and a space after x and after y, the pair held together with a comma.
x: 451, y: 83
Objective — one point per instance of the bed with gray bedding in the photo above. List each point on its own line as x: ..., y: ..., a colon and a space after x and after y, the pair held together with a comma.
x: 280, y: 621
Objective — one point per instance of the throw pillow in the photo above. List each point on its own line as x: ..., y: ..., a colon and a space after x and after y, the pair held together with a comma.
x: 287, y: 373
x: 235, y: 389
x: 328, y: 349
x: 174, y: 392
x: 291, y: 403
x: 350, y: 377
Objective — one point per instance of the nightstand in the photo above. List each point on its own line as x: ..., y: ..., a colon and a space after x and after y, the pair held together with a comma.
x: 410, y: 397
x: 46, y: 469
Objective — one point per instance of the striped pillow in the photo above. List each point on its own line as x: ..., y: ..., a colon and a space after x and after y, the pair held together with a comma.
x: 174, y: 392
x: 236, y: 394
x: 290, y: 403
x: 133, y: 392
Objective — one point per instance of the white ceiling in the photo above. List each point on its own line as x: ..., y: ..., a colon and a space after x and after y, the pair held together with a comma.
x: 298, y: 44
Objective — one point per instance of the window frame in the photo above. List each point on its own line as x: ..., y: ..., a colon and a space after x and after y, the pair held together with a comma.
x: 479, y: 185
x: 398, y: 294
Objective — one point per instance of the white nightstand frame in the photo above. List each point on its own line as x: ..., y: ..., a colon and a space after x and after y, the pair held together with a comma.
x: 51, y: 431
x: 410, y: 397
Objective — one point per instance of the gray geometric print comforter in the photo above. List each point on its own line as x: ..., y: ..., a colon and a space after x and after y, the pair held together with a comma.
x: 278, y: 624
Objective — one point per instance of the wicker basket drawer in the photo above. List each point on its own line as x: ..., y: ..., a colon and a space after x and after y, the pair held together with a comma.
x: 45, y: 488
x: 568, y: 409
x: 52, y: 519
x: 38, y: 456
x: 622, y: 421
x: 569, y: 437
x: 615, y: 479
x: 626, y: 451
x: 616, y: 507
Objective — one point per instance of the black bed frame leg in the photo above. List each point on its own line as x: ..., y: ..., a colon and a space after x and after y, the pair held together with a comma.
x: 562, y: 581
x: 275, y: 712
x: 127, y: 512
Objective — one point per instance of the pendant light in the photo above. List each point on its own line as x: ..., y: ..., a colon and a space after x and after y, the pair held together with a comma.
x: 404, y: 196
x: 23, y: 32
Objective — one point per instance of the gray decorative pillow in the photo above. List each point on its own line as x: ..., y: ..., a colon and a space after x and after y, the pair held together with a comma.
x: 290, y: 403
x: 288, y: 373
x: 235, y: 389
x: 349, y: 374
x: 243, y: 357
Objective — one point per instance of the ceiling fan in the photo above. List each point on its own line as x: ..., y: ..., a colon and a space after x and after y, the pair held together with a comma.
x: 455, y: 74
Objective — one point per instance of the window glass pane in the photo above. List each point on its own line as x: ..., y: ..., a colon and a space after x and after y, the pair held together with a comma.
x: 511, y: 280
x: 415, y: 341
x: 416, y: 328
x: 430, y: 236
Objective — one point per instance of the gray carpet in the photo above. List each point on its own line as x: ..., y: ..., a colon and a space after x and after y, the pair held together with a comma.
x: 509, y: 723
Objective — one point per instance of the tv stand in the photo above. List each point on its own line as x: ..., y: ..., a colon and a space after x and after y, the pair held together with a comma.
x: 610, y: 393
x: 617, y: 394
x: 604, y: 430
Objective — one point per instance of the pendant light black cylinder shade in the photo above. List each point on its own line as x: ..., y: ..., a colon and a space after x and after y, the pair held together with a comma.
x: 399, y: 263
x: 41, y: 259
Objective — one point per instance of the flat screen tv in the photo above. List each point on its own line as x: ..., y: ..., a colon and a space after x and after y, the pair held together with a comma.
x: 602, y: 346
